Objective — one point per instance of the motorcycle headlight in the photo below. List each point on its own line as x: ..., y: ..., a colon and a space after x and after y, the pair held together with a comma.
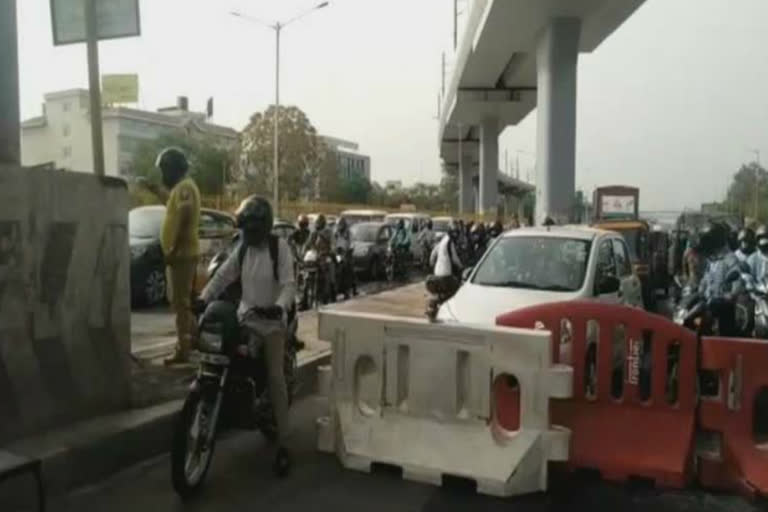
x: 210, y: 342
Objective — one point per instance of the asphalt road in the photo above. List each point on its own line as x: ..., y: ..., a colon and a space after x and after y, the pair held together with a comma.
x: 240, y: 479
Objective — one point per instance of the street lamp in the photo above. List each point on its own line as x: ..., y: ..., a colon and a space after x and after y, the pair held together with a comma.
x: 277, y: 27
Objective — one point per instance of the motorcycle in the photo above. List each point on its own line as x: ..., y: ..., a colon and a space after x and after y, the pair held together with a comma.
x: 229, y: 391
x: 395, y: 264
x: 314, y: 278
x: 344, y: 272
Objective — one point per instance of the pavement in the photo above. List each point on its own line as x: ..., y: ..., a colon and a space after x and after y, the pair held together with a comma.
x: 240, y: 479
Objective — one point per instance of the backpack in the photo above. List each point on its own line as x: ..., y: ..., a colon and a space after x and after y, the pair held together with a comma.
x: 274, y: 254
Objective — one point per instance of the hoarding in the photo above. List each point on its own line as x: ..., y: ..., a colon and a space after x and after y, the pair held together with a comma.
x: 123, y: 88
x: 114, y: 19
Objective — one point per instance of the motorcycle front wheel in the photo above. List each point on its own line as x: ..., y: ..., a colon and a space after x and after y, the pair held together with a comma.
x: 191, y: 453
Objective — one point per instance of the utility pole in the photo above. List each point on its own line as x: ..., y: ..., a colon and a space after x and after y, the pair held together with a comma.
x: 455, y: 24
x: 757, y: 180
x: 10, y: 142
x: 94, y: 86
x: 276, y: 154
x: 442, y: 80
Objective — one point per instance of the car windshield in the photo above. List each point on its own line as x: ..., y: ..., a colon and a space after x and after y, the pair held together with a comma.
x: 145, y: 222
x: 538, y: 263
x: 364, y: 232
x: 441, y: 225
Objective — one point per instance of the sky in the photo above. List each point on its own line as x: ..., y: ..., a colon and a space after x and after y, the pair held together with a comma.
x: 673, y: 102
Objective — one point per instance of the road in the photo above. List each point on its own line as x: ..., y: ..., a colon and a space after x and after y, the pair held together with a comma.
x: 240, y: 479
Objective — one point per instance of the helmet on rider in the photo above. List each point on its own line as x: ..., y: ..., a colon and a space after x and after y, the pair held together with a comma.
x: 747, y: 240
x: 254, y: 218
x: 320, y: 222
x: 713, y: 237
x: 429, y: 224
x: 400, y: 224
x: 341, y: 226
x: 303, y: 222
x: 173, y: 166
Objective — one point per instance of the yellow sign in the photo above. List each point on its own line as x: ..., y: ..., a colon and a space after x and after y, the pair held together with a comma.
x: 120, y: 88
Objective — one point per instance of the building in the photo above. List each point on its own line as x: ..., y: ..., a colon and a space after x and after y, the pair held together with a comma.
x: 62, y: 135
x: 350, y: 162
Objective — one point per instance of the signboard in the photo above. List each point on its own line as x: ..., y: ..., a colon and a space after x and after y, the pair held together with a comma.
x: 120, y: 88
x: 114, y: 18
x: 617, y: 206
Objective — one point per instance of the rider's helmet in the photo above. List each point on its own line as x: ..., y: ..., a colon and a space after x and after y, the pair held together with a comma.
x: 429, y: 224
x: 173, y: 166
x: 303, y: 221
x: 320, y: 222
x: 747, y: 240
x: 400, y: 224
x: 254, y: 218
x: 342, y: 225
x: 713, y: 237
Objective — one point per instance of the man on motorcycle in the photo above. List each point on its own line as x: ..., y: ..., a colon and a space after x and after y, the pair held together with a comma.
x: 496, y: 229
x: 401, y: 239
x: 721, y: 285
x: 479, y: 240
x: 343, y: 242
x: 299, y: 237
x: 758, y: 261
x: 693, y: 262
x: 426, y: 241
x: 747, y: 242
x: 321, y: 241
x: 268, y: 288
x: 446, y: 269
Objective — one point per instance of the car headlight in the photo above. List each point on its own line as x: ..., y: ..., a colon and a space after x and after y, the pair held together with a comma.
x: 210, y: 342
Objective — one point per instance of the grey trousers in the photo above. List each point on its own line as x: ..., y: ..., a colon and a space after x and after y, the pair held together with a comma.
x: 273, y: 335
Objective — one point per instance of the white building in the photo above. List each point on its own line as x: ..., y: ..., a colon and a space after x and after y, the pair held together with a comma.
x: 350, y: 161
x: 62, y: 135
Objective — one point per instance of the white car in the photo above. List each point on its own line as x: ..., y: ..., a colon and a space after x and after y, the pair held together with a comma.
x: 531, y: 266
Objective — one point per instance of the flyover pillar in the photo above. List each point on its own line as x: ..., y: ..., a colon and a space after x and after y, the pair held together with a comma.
x: 10, y: 131
x: 488, y: 183
x: 466, y: 187
x: 557, y: 58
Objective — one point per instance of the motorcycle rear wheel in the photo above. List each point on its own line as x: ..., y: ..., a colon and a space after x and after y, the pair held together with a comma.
x: 190, y: 457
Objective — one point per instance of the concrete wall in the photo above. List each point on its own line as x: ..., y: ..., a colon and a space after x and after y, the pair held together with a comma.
x: 64, y: 299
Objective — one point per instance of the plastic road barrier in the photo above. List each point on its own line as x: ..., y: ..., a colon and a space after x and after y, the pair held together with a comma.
x: 419, y: 396
x: 734, y: 421
x: 633, y: 410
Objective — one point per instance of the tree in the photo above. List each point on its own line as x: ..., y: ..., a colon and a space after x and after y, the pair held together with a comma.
x: 355, y: 189
x: 301, y: 152
x: 749, y: 182
x: 210, y: 164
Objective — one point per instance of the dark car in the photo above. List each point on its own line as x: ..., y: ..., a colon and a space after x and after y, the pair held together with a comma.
x: 148, y: 285
x: 369, y: 247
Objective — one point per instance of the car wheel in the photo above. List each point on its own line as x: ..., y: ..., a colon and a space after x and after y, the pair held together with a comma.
x: 154, y: 287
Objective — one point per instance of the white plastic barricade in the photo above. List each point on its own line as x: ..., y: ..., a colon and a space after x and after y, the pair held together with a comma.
x: 417, y: 395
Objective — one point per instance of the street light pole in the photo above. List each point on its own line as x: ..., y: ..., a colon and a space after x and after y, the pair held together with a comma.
x: 276, y: 155
x: 278, y: 27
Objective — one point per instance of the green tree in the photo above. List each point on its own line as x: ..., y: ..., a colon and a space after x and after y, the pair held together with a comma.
x: 355, y: 189
x: 749, y: 183
x: 301, y: 152
x: 211, y: 165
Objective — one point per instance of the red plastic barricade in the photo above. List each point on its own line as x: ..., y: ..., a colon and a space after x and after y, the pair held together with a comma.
x: 633, y: 409
x: 736, y: 417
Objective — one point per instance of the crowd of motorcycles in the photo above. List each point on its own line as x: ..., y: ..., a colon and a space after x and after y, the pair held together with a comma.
x: 723, y: 287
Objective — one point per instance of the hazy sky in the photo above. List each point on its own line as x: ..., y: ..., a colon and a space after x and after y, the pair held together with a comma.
x: 672, y: 102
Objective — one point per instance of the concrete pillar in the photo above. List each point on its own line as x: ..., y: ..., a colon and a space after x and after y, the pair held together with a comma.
x: 557, y: 59
x: 10, y: 131
x: 466, y: 189
x: 489, y: 168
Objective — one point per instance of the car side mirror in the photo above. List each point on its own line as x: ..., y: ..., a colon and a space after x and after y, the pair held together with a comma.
x: 608, y: 284
x: 466, y: 273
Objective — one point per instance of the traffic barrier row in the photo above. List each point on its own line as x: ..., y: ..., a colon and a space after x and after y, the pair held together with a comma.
x: 636, y: 409
x: 634, y: 399
x: 419, y: 396
x: 735, y: 420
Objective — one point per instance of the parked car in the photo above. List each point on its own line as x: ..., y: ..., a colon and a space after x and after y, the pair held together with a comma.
x: 355, y: 216
x: 369, y: 247
x: 148, y: 286
x: 283, y: 229
x: 531, y: 266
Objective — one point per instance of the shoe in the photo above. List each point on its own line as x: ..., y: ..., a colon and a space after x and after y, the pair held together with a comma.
x: 283, y: 462
x: 178, y: 357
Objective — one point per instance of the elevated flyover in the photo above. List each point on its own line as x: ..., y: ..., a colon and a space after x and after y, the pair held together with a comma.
x: 516, y: 55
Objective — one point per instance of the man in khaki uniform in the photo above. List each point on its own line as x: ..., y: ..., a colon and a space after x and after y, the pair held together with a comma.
x: 179, y: 240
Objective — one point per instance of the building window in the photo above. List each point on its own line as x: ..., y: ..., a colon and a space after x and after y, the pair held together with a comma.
x: 66, y: 151
x: 65, y: 130
x: 65, y: 106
